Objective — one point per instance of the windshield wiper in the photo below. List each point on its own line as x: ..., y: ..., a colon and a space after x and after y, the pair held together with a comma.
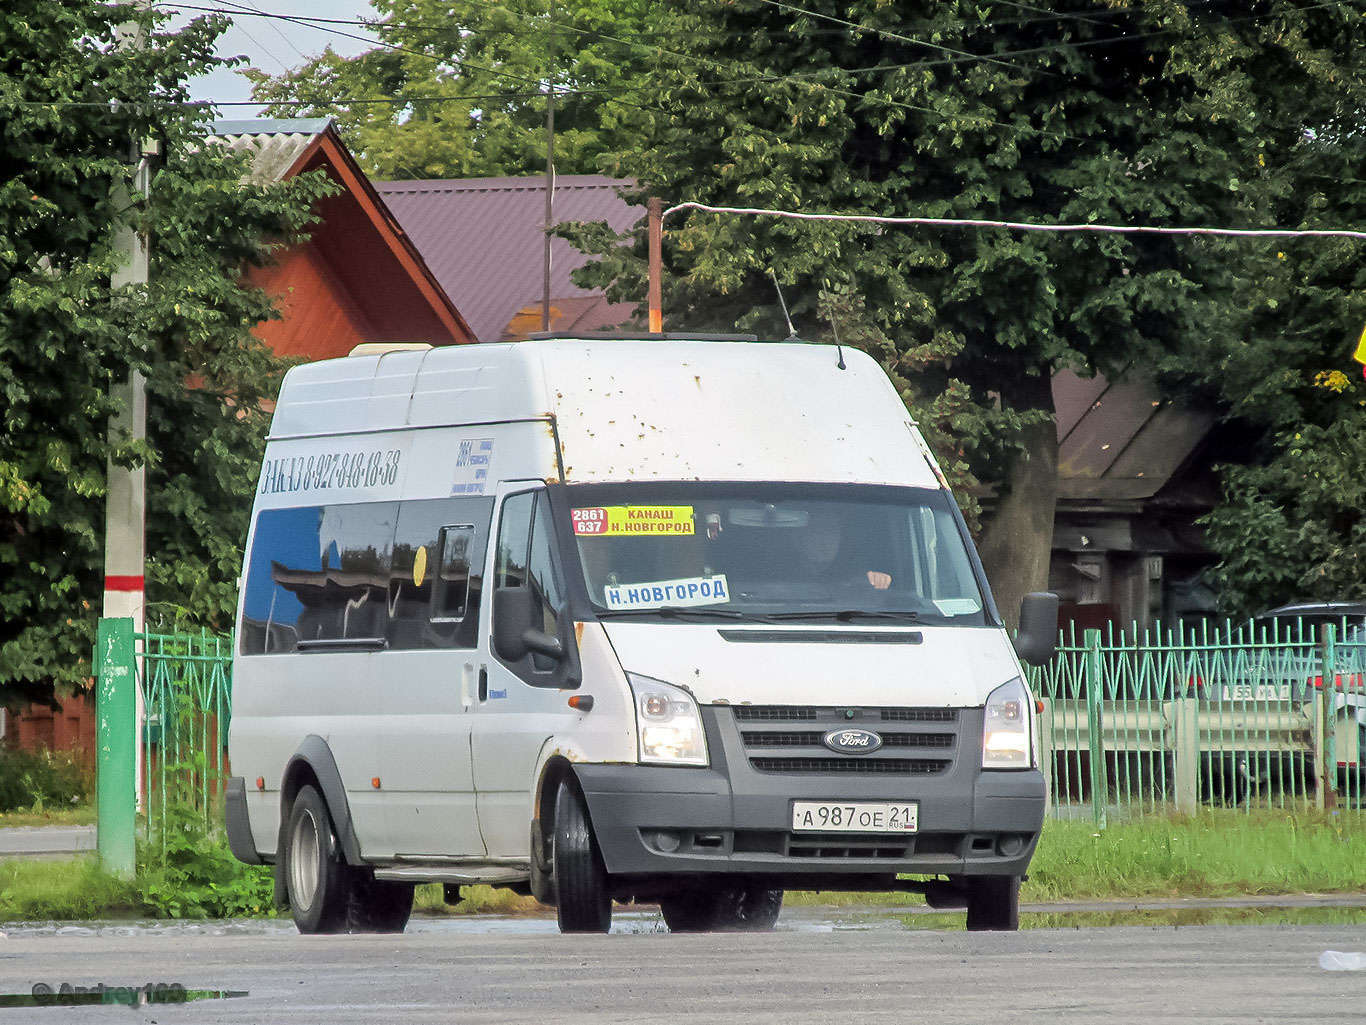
x: 845, y: 615
x: 678, y: 612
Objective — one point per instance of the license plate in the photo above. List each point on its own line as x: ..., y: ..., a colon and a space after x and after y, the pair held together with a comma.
x: 854, y: 817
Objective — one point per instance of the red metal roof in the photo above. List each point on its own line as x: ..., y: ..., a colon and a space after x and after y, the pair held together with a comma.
x: 484, y: 240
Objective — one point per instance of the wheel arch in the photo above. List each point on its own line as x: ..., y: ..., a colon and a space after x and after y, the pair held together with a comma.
x: 313, y: 764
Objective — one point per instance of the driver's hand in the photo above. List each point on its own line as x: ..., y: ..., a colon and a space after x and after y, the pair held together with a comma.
x: 880, y: 581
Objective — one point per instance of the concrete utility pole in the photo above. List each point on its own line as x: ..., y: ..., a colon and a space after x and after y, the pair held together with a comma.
x: 125, y: 504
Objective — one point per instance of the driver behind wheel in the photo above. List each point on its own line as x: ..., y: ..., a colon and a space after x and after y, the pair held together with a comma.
x: 819, y: 554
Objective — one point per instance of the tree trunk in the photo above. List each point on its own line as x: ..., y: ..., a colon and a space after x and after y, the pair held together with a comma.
x: 1018, y: 540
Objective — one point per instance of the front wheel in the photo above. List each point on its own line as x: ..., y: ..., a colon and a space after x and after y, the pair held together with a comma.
x: 317, y: 879
x: 994, y: 904
x: 729, y: 907
x: 583, y: 901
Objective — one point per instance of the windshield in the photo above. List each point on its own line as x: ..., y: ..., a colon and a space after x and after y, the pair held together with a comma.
x: 772, y: 551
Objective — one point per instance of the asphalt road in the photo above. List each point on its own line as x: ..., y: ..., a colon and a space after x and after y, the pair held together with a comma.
x: 45, y: 841
x: 812, y: 970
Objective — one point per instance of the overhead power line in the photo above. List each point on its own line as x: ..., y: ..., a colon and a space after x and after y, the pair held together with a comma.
x: 978, y: 222
x: 811, y: 77
x: 351, y: 35
x: 959, y: 59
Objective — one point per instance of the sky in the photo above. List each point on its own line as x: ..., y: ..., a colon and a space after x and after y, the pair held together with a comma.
x: 271, y: 44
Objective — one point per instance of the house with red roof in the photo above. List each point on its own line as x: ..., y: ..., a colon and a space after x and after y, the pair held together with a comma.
x: 360, y: 277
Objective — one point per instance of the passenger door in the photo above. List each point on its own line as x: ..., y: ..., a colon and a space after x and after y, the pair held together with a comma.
x: 429, y: 678
x: 522, y: 704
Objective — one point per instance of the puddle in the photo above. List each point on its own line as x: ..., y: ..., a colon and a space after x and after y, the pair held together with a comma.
x: 1149, y: 917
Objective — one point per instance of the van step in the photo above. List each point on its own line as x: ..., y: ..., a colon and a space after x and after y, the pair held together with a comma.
x: 465, y: 875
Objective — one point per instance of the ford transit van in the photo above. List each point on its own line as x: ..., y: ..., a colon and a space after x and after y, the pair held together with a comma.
x: 682, y: 621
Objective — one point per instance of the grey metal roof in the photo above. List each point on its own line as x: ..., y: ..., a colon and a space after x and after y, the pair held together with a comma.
x: 484, y: 239
x: 1121, y: 441
x: 275, y: 144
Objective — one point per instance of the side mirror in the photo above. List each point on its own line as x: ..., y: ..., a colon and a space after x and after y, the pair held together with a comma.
x: 1037, y: 639
x: 514, y: 635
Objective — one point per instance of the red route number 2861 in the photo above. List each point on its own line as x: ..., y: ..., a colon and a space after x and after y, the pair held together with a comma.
x: 589, y: 521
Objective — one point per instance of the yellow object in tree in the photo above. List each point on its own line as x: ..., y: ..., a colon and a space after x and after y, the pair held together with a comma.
x: 1360, y: 354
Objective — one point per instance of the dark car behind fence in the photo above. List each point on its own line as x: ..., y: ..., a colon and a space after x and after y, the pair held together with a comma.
x: 1265, y: 714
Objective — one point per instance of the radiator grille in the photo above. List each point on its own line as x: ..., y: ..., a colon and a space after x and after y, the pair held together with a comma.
x: 919, y: 714
x: 789, y: 739
x: 861, y: 765
x: 774, y: 713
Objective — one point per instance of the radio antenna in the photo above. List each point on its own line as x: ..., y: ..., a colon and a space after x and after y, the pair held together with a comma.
x: 791, y: 331
x: 839, y: 349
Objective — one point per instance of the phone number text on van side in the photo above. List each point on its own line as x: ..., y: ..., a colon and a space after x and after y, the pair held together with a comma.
x: 377, y: 468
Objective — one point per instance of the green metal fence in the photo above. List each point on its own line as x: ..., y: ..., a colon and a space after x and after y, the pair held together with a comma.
x: 1244, y: 716
x: 185, y: 682
x: 1240, y: 716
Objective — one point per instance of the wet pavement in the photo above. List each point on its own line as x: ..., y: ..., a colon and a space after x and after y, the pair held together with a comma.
x: 823, y: 965
x: 1295, y: 909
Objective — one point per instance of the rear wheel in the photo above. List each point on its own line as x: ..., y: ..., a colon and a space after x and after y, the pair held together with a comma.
x: 730, y: 907
x: 317, y: 879
x: 377, y: 905
x: 584, y: 903
x: 994, y: 904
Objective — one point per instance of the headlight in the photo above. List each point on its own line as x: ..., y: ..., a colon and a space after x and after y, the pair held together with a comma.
x: 1005, y: 731
x: 668, y: 724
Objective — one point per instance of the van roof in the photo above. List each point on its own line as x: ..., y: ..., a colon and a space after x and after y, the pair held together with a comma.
x: 666, y: 409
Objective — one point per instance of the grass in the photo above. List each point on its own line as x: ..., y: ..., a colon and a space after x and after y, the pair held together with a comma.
x: 39, y: 816
x: 63, y: 890
x: 1214, y: 854
x: 477, y: 900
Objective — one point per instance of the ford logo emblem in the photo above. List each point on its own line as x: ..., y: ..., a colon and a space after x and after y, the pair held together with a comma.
x: 852, y: 741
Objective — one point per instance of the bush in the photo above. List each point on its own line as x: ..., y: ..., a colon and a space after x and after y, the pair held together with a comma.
x: 42, y: 778
x: 198, y: 876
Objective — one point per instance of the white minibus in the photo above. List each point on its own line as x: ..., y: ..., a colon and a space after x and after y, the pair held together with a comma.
x: 686, y: 621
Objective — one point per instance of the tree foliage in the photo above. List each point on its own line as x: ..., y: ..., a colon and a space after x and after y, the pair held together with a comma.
x: 459, y: 90
x: 1289, y: 525
x: 1158, y: 111
x: 71, y: 102
x: 1292, y: 527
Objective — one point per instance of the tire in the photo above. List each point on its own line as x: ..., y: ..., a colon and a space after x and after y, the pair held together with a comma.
x: 318, y: 881
x: 377, y: 905
x: 730, y: 907
x: 994, y: 904
x: 584, y: 904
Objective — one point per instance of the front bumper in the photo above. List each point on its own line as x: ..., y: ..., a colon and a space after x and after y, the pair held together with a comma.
x: 733, y: 818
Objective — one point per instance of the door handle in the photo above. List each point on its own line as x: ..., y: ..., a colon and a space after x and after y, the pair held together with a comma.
x: 466, y: 679
x: 483, y: 683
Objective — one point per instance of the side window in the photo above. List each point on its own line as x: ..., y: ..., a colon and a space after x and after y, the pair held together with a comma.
x: 514, y: 541
x: 319, y: 576
x: 346, y: 598
x: 524, y: 560
x: 435, y: 583
x: 451, y: 584
x: 541, y: 569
